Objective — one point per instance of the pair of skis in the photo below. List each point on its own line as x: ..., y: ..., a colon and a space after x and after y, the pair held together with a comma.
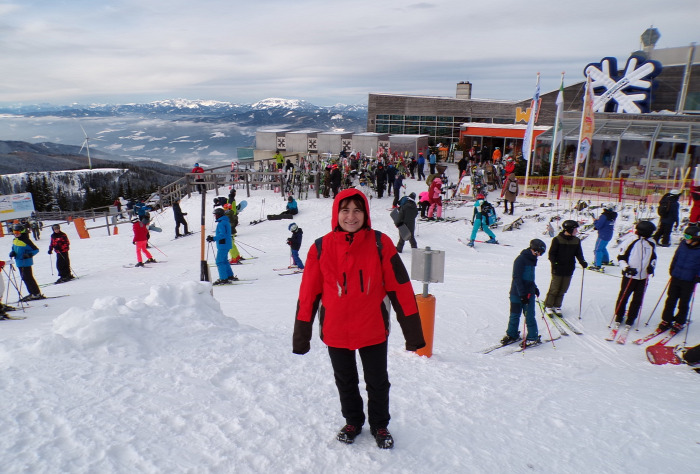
x: 563, y: 325
x: 290, y: 270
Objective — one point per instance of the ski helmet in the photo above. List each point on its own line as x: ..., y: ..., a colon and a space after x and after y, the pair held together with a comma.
x: 480, y: 196
x: 227, y: 206
x: 218, y: 212
x: 645, y: 228
x: 290, y: 199
x: 693, y: 231
x: 609, y: 206
x: 18, y: 228
x: 293, y: 227
x: 569, y: 225
x: 56, y: 227
x: 538, y: 246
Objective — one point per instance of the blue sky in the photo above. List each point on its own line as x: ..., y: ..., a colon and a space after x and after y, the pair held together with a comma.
x: 323, y: 51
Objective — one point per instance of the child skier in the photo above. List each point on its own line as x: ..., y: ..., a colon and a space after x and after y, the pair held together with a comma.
x: 141, y: 236
x: 685, y: 272
x: 480, y: 221
x: 605, y: 225
x: 523, y: 292
x: 222, y: 237
x: 61, y: 244
x: 295, y: 243
x: 565, y: 250
x: 23, y: 251
x: 231, y: 212
x: 637, y: 260
x: 435, y: 198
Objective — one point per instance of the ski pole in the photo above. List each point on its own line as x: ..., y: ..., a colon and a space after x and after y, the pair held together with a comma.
x: 247, y: 245
x: 158, y: 249
x: 580, y: 300
x: 688, y: 319
x: 546, y: 323
x: 51, y: 264
x: 641, y: 305
x: 657, y: 303
x: 622, y: 298
x: 12, y: 278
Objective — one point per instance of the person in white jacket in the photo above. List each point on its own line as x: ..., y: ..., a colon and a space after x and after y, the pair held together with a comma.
x: 637, y: 259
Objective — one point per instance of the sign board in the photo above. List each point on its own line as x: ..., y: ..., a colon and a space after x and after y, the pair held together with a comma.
x: 16, y: 206
x: 428, y: 265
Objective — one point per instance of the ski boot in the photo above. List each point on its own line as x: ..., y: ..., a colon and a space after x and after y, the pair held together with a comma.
x: 596, y: 268
x: 382, y: 437
x: 151, y: 260
x: 510, y: 340
x: 677, y: 327
x: 531, y: 342
x: 492, y: 240
x: 549, y: 311
x: 558, y: 312
x: 470, y: 244
x: 348, y: 433
x: 231, y: 279
x: 664, y: 325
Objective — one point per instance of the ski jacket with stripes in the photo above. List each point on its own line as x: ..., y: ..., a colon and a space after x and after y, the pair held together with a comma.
x: 23, y: 250
x: 348, y: 284
x: 638, y: 253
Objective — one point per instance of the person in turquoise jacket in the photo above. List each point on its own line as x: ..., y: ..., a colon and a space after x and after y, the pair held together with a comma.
x: 23, y: 251
x: 480, y: 221
x: 222, y: 237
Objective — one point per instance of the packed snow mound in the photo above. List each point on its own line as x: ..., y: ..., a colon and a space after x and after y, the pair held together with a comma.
x: 145, y: 327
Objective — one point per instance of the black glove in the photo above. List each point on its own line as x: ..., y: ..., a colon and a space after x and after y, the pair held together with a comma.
x: 629, y: 271
x: 525, y: 299
x: 537, y: 291
x: 184, y: 213
x: 210, y: 238
x: 50, y: 251
x: 584, y: 265
x: 222, y: 241
x: 13, y: 254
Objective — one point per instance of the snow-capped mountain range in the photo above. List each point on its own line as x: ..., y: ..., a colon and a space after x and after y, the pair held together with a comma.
x: 176, y: 131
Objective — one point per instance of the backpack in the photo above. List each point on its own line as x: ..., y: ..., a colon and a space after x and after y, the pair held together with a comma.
x: 488, y: 213
x: 664, y: 205
x: 513, y: 187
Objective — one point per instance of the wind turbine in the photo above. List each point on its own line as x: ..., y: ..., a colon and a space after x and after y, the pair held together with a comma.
x: 86, y: 145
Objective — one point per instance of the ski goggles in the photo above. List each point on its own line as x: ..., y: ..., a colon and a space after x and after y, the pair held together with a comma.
x: 687, y: 236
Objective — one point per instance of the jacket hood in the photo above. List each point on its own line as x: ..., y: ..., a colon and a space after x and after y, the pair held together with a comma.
x: 346, y: 194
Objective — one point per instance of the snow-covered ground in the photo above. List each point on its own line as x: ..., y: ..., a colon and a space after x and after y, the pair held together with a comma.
x: 148, y: 370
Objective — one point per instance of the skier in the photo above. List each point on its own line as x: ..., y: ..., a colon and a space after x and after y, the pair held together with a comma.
x: 202, y: 188
x: 230, y: 211
x: 637, y: 261
x: 523, y: 291
x: 435, y: 199
x: 290, y: 210
x: 480, y: 221
x: 421, y: 166
x: 336, y: 179
x: 279, y: 159
x: 380, y: 183
x: 391, y: 173
x: 23, y: 251
x: 349, y: 272
x: 398, y: 184
x: 685, y: 273
x: 294, y: 243
x: 433, y: 162
x: 605, y: 225
x: 141, y: 236
x: 61, y: 244
x: 424, y: 201
x: 3, y: 311
x: 563, y: 253
x: 222, y: 236
x: 695, y: 210
x: 668, y: 217
x: 407, y: 216
x: 179, y: 218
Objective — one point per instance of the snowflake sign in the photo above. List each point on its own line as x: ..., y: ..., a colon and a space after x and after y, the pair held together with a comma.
x: 629, y: 92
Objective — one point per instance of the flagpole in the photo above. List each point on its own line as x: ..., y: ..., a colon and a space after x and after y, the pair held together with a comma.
x: 560, y: 96
x: 580, y: 136
x: 529, y: 132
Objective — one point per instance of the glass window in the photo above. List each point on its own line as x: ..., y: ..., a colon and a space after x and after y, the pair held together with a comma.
x: 412, y: 117
x: 382, y: 128
x: 396, y: 129
x: 445, y: 119
x: 411, y: 129
x: 397, y: 117
x: 427, y: 118
x: 427, y: 129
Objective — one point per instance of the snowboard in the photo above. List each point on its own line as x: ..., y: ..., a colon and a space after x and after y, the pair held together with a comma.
x: 241, y: 205
x: 660, y: 355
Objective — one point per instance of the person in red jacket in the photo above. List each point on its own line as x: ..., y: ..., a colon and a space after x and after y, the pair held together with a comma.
x: 61, y: 245
x: 199, y: 170
x: 141, y: 241
x: 349, y: 272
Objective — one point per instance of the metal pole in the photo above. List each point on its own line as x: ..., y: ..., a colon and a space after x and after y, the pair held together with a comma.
x: 426, y: 271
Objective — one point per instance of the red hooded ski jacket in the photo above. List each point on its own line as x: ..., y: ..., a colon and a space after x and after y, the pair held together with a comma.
x: 349, y: 282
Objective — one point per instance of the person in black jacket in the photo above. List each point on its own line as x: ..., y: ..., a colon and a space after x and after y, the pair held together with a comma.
x: 336, y: 178
x: 563, y: 253
x: 295, y: 243
x: 407, y: 216
x: 179, y: 218
x: 380, y: 182
x: 668, y: 219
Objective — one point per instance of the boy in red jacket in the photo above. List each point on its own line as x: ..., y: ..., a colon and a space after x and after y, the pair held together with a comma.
x: 350, y: 271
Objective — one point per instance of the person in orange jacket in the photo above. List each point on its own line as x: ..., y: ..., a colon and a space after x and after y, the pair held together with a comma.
x: 349, y: 272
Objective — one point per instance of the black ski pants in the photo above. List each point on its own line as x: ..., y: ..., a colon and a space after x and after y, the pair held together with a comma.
x: 679, y: 293
x: 28, y: 278
x: 180, y: 221
x: 663, y: 233
x: 374, y: 365
x: 634, y: 288
x: 63, y: 264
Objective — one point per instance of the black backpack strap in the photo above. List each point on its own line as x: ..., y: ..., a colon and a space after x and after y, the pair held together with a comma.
x: 378, y: 237
x: 319, y: 246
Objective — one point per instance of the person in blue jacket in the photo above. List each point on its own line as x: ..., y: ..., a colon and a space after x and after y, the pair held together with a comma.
x: 605, y: 225
x: 433, y: 162
x: 23, y: 251
x: 685, y: 273
x: 523, y: 292
x: 421, y: 166
x: 222, y: 237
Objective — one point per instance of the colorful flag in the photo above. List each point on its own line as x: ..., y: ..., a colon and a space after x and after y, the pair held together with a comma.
x: 558, y: 127
x: 527, y: 139
x: 587, y: 124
